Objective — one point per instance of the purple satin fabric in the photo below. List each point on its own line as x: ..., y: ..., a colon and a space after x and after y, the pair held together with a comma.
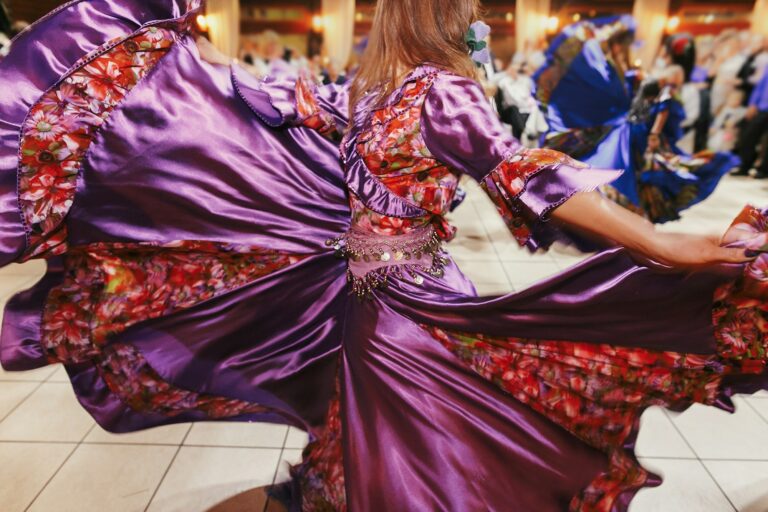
x: 20, y: 348
x: 282, y: 190
x: 462, y: 130
x: 40, y: 56
x: 606, y: 299
x: 548, y: 190
x: 222, y: 175
x: 422, y: 432
x: 274, y: 342
x: 281, y: 92
x: 271, y: 96
x: 193, y: 154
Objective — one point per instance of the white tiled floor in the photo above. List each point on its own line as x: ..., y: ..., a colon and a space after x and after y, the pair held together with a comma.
x: 53, y: 458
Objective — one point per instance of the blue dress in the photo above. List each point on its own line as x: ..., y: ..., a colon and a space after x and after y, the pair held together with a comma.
x: 589, y: 107
x: 669, y: 179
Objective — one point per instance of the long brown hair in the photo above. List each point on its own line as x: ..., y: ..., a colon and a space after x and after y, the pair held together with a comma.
x: 408, y: 33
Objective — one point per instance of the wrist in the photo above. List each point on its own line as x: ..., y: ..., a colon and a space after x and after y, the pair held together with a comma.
x: 658, y: 248
x: 646, y: 241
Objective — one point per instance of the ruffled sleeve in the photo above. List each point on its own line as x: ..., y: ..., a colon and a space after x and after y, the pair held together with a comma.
x: 462, y: 131
x: 294, y: 102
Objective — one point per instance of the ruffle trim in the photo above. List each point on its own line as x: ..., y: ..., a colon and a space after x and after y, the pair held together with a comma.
x: 509, y: 182
x: 60, y: 128
x: 598, y: 392
x: 108, y: 288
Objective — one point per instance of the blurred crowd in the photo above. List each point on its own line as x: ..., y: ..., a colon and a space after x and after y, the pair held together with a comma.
x: 724, y: 89
x: 719, y: 86
x: 266, y: 55
x: 8, y: 30
x: 717, y: 79
x: 720, y: 80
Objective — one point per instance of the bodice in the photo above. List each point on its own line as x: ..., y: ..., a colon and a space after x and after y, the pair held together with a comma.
x: 401, y: 161
x: 389, y: 143
x: 387, y: 148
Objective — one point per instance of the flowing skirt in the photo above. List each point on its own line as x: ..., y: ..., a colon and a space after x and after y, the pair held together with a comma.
x: 189, y: 280
x: 588, y: 108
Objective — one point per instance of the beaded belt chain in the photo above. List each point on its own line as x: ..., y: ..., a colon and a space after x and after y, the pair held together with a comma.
x: 373, y: 258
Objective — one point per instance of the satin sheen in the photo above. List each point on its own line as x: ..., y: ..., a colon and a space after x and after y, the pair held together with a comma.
x: 192, y: 154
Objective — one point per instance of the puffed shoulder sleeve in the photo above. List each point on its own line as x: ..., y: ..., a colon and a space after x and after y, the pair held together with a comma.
x: 462, y: 131
x: 294, y: 102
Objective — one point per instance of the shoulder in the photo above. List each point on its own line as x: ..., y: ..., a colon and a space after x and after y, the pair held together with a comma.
x: 447, y: 83
x: 449, y: 91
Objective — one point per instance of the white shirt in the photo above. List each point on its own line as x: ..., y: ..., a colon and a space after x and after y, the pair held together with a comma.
x: 517, y: 92
x: 690, y: 96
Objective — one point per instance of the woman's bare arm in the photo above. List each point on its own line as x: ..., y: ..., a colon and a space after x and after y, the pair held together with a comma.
x: 599, y: 217
x: 661, y: 120
x: 654, y: 141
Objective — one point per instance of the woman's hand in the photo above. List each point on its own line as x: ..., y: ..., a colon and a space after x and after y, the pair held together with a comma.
x: 691, y: 251
x: 598, y: 217
x: 210, y: 53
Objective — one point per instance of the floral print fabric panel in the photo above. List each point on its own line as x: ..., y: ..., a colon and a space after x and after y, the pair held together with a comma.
x: 129, y: 376
x: 110, y: 287
x: 598, y: 392
x: 61, y: 126
x: 379, y: 224
x: 510, y: 178
x: 321, y: 474
x: 394, y: 150
x: 310, y: 114
x: 741, y: 330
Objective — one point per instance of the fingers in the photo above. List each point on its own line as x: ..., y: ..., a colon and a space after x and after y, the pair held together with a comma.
x: 737, y: 256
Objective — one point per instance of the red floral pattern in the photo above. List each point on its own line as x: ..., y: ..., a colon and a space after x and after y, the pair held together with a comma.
x: 110, y: 287
x: 129, y: 376
x: 60, y: 128
x: 505, y: 183
x: 373, y: 222
x: 309, y: 112
x: 321, y: 474
x: 598, y: 392
x: 750, y: 231
x: 395, y: 151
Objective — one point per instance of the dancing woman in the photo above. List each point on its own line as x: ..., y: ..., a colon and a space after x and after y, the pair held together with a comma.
x: 587, y: 88
x: 670, y: 180
x: 212, y: 256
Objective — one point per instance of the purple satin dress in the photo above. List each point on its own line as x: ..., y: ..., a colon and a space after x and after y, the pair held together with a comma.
x: 224, y: 248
